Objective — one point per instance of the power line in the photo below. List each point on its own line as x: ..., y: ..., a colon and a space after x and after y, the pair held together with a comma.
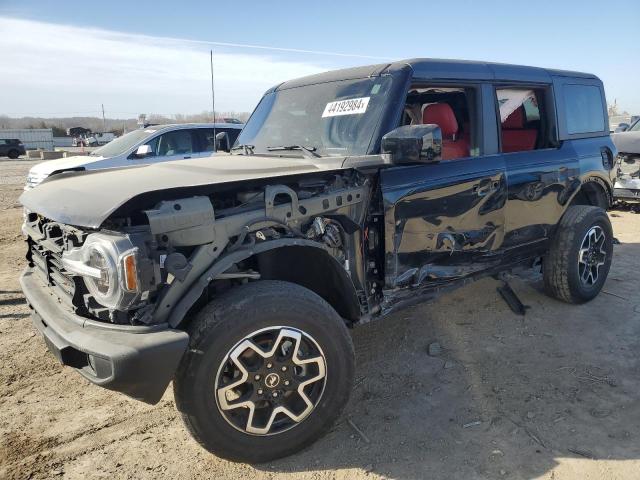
x: 267, y: 47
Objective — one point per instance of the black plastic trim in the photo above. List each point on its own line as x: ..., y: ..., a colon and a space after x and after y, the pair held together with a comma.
x: 137, y: 361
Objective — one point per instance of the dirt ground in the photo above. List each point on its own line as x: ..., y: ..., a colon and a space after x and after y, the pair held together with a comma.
x: 554, y: 394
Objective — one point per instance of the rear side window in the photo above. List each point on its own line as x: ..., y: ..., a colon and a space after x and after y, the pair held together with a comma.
x: 523, y: 126
x: 233, y: 134
x: 584, y: 112
x: 207, y: 137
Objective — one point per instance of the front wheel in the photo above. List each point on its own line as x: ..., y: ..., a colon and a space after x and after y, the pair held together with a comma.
x: 13, y: 154
x: 579, y: 258
x: 269, y: 369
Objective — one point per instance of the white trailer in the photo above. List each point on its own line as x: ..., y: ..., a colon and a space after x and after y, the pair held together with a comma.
x: 31, y: 137
x: 63, y: 141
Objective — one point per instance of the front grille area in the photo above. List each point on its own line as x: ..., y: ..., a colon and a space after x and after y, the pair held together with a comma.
x: 46, y: 242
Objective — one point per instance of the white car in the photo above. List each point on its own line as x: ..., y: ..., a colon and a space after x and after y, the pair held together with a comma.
x: 158, y: 143
x: 627, y: 142
x: 96, y: 139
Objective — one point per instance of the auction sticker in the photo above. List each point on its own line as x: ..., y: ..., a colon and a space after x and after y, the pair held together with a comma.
x: 353, y: 106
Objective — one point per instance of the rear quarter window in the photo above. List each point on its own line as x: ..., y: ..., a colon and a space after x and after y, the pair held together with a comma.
x: 584, y: 110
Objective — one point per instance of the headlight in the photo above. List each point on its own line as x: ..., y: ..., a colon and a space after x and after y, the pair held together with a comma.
x: 102, y: 284
x: 108, y: 264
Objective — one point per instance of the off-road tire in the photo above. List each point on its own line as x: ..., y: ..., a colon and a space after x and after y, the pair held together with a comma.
x: 13, y: 154
x: 219, y: 326
x: 560, y: 265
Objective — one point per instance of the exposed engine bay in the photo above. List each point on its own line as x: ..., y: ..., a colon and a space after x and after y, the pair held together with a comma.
x: 154, y: 265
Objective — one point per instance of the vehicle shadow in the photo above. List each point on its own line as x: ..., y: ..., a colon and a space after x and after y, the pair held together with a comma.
x: 12, y: 301
x: 506, y: 397
x: 14, y: 316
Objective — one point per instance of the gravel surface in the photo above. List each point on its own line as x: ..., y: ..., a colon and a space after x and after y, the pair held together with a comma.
x: 459, y: 388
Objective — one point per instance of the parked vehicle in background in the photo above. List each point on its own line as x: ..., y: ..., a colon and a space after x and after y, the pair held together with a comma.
x: 12, y: 148
x: 160, y: 143
x: 93, y: 139
x: 624, y: 126
x: 78, y: 131
x: 627, y: 187
x: 79, y: 141
x: 96, y: 139
x: 348, y: 195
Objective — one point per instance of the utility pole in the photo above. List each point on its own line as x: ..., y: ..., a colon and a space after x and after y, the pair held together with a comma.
x: 104, y: 123
x: 213, y: 95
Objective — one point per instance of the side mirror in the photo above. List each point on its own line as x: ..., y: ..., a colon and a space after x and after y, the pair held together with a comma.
x: 143, y: 151
x: 222, y: 142
x: 622, y: 127
x: 413, y: 144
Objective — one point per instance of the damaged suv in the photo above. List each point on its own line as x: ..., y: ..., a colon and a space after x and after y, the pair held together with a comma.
x: 347, y: 196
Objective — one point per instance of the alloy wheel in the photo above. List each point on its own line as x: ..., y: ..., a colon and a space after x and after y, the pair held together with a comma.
x: 271, y: 380
x: 592, y: 255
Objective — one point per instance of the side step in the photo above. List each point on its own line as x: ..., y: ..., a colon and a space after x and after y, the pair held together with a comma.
x: 511, y: 299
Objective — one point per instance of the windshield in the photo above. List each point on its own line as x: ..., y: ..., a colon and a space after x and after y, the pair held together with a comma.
x: 635, y: 127
x: 333, y: 119
x: 121, y: 144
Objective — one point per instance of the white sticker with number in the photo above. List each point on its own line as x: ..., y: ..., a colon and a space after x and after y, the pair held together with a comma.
x: 353, y: 106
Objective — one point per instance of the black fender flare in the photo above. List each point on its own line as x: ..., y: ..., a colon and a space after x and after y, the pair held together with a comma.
x: 225, y: 262
x: 600, y: 185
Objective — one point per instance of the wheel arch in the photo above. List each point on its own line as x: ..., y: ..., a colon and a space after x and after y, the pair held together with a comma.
x: 308, y: 264
x: 315, y: 269
x: 593, y: 191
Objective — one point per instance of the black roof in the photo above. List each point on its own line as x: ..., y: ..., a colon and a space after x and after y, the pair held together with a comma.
x: 442, y: 69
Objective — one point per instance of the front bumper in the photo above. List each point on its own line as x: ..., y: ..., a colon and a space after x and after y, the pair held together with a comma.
x: 626, y: 194
x: 138, y: 361
x: 627, y: 188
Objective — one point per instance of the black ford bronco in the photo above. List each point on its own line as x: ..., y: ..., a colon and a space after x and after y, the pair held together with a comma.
x: 348, y: 195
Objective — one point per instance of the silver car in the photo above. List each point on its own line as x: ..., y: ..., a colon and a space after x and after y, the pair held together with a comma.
x: 158, y: 143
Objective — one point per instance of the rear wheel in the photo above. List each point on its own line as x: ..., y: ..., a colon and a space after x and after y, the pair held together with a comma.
x: 269, y: 369
x: 13, y: 154
x: 579, y: 258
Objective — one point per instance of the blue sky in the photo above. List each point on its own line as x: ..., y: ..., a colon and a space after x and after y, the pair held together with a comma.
x: 144, y: 56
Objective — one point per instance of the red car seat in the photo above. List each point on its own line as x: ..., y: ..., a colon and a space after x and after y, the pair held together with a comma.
x: 516, y: 138
x: 442, y: 115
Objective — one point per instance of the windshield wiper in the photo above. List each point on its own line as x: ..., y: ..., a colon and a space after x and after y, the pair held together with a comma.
x: 246, y: 149
x: 309, y: 152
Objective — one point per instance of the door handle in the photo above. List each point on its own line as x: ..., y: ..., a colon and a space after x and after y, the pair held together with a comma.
x: 483, y: 189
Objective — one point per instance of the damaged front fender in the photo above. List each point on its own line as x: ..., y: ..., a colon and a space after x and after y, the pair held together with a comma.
x: 220, y: 244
